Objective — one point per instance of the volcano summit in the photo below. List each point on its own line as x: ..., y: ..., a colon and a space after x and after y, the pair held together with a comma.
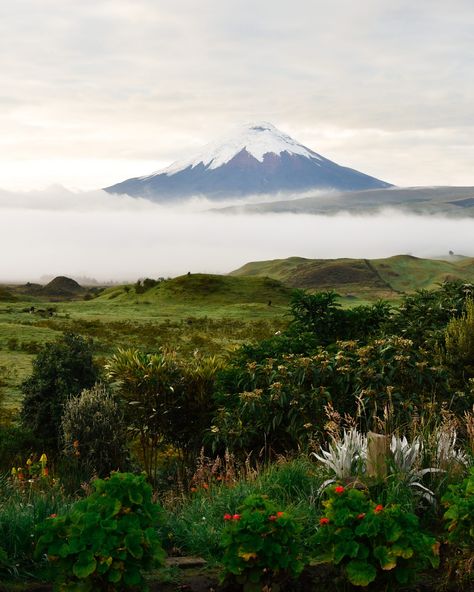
x: 255, y: 159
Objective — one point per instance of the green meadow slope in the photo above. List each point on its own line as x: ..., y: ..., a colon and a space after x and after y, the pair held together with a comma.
x: 382, y: 278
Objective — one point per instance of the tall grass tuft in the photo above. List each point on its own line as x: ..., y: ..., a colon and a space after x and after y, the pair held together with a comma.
x: 21, y: 509
x: 194, y: 523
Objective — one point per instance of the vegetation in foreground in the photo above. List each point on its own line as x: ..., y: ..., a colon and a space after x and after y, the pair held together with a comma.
x: 337, y: 452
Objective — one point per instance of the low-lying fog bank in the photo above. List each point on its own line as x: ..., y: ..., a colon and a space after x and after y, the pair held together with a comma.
x: 57, y: 232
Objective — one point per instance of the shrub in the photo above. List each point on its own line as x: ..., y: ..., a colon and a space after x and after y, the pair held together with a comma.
x: 106, y: 539
x: 60, y: 369
x: 278, y: 404
x: 94, y: 431
x: 371, y: 542
x: 168, y: 400
x: 261, y: 545
x: 459, y: 515
x: 459, y: 338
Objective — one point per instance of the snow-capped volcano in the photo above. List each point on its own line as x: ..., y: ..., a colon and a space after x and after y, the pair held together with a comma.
x: 255, y: 158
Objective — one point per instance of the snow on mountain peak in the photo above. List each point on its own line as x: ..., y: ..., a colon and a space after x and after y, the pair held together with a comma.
x: 257, y: 139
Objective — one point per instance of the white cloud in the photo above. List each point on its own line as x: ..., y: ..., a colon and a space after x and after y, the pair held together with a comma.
x: 57, y: 232
x: 130, y: 81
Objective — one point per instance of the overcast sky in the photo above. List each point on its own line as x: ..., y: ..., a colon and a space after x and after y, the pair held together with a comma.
x: 95, y: 91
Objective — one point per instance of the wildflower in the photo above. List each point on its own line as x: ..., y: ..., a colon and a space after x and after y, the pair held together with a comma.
x: 45, y: 472
x: 361, y: 516
x: 75, y: 444
x: 43, y: 459
x: 13, y: 472
x: 227, y: 517
x: 324, y: 521
x: 193, y: 489
x: 29, y: 462
x: 339, y: 489
x: 378, y: 508
x: 205, y: 486
x: 272, y: 518
x: 53, y: 516
x: 280, y: 514
x: 236, y: 517
x: 248, y: 556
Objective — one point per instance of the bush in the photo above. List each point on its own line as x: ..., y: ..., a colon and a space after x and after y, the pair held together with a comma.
x: 371, y: 542
x: 105, y: 540
x: 262, y: 546
x: 459, y: 338
x: 459, y: 501
x: 60, y: 369
x: 94, y: 431
x: 16, y: 444
x: 277, y: 404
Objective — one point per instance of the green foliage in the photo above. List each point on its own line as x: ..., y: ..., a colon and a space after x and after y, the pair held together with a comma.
x: 94, y: 431
x: 16, y: 444
x: 459, y: 339
x: 60, y: 369
x: 169, y: 399
x: 105, y: 540
x: 261, y: 545
x: 23, y: 506
x: 194, y: 523
x: 423, y: 316
x: 321, y: 315
x: 459, y: 515
x: 371, y: 542
x: 278, y: 404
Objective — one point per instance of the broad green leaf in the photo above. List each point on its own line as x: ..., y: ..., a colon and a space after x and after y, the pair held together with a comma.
x: 387, y: 559
x: 360, y: 573
x: 85, y: 565
x: 345, y: 549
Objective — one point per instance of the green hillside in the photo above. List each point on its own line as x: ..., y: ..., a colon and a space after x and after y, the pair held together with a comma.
x: 204, y: 289
x: 383, y: 278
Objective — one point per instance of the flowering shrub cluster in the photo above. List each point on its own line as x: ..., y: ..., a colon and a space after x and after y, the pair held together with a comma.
x: 262, y: 545
x: 35, y: 472
x: 372, y: 542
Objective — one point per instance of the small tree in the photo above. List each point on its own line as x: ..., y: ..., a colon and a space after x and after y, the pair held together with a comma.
x: 60, y: 369
x: 94, y: 431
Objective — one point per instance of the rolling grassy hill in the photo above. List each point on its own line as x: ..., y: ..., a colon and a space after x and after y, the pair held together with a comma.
x: 366, y: 278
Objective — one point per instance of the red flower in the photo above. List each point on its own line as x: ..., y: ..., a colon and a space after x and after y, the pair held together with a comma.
x: 227, y: 517
x: 53, y: 516
x: 361, y: 516
x: 205, y: 486
x: 280, y: 514
x: 378, y: 508
x: 272, y: 518
x: 324, y: 521
x: 236, y: 517
x: 339, y: 489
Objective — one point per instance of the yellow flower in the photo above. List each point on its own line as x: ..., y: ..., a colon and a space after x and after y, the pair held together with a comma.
x: 43, y: 460
x: 248, y: 556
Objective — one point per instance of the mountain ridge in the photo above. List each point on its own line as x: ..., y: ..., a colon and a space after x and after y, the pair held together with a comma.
x: 254, y: 159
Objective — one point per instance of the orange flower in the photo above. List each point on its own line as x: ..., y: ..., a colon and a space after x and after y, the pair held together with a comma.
x: 361, y: 516
x: 324, y: 521
x: 378, y: 508
x: 339, y: 489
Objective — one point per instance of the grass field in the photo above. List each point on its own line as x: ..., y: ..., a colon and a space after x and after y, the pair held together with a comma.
x: 210, y: 313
